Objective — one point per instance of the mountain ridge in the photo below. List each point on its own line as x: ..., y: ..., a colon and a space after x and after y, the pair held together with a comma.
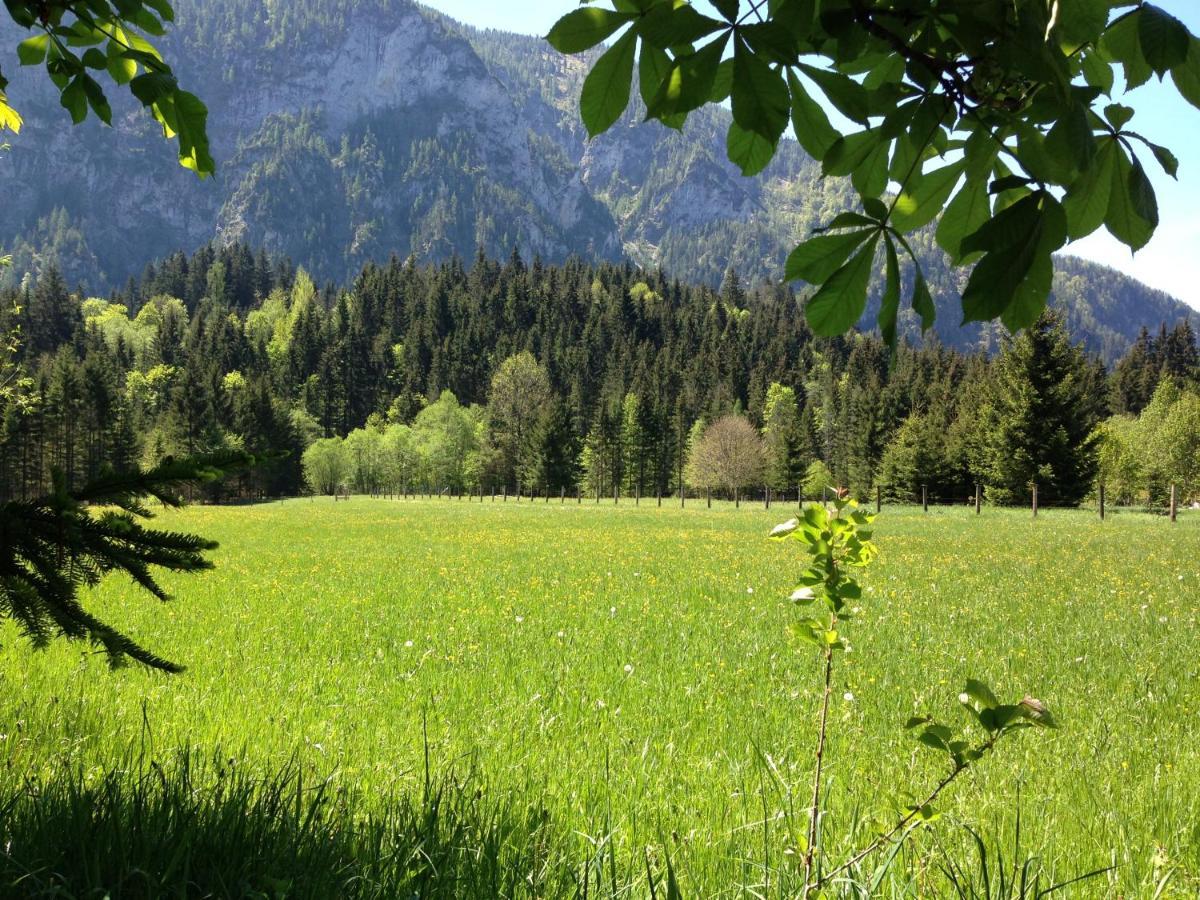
x: 414, y: 134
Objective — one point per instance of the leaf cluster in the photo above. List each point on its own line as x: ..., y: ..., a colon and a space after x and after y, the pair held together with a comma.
x: 996, y: 720
x: 80, y: 41
x: 836, y: 541
x: 990, y: 115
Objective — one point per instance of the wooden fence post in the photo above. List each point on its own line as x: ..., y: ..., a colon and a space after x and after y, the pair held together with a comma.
x: 978, y: 498
x: 878, y: 499
x: 505, y: 492
x: 767, y: 497
x: 660, y: 495
x: 616, y: 493
x: 637, y: 495
x: 682, y: 495
x: 1035, y: 499
x: 924, y: 498
x: 1172, y: 503
x: 737, y: 498
x: 562, y: 495
x: 1102, y: 501
x: 708, y: 496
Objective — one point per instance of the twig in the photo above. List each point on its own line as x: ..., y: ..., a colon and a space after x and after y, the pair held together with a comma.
x: 904, y: 820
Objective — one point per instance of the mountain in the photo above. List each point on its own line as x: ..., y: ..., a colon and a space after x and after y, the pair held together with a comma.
x: 350, y: 130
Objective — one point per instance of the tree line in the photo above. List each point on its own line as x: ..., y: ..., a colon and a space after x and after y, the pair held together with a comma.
x: 592, y: 377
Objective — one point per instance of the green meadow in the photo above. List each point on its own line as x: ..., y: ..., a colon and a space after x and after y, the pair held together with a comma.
x: 550, y: 700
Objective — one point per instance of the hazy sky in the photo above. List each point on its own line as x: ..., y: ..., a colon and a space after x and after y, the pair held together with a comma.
x: 1171, y: 261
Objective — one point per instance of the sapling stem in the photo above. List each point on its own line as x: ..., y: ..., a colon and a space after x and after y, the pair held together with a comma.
x: 814, y: 810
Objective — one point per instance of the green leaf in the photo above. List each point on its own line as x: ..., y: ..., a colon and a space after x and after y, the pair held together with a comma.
x: 749, y: 151
x: 727, y: 8
x: 918, y: 207
x: 1166, y: 159
x: 1097, y: 72
x: 813, y: 131
x: 689, y: 82
x: 1071, y: 137
x: 1186, y: 75
x: 981, y: 694
x: 32, y: 51
x: 819, y: 257
x: 1164, y: 39
x: 605, y: 92
x: 1015, y: 273
x: 848, y: 153
x: 95, y: 59
x: 875, y: 208
x: 969, y: 209
x: 74, y: 99
x: 871, y: 177
x: 10, y: 119
x: 1121, y: 43
x: 1118, y: 116
x: 121, y: 70
x: 1123, y: 219
x: 840, y: 302
x: 1086, y: 202
x: 847, y: 95
x: 97, y: 100
x: 759, y: 94
x: 1141, y: 192
x: 669, y: 25
x: 653, y: 65
x: 889, y: 307
x: 1081, y: 22
x: 808, y: 631
x: 723, y: 82
x: 150, y: 87
x: 585, y: 27
x: 922, y: 302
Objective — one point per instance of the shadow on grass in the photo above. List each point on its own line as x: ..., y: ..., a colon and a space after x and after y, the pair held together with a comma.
x: 203, y: 829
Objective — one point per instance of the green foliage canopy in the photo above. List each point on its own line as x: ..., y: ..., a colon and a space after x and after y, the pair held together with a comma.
x: 996, y: 115
x: 84, y: 40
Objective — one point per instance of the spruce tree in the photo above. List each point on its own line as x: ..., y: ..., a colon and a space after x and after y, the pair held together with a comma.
x: 53, y: 546
x: 1044, y: 415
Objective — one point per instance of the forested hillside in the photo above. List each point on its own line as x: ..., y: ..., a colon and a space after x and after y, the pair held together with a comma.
x: 358, y: 131
x: 598, y: 376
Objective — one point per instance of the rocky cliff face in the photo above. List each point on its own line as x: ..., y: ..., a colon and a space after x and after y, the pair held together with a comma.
x: 348, y: 131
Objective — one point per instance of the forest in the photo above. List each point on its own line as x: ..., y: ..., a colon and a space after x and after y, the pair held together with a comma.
x: 597, y: 378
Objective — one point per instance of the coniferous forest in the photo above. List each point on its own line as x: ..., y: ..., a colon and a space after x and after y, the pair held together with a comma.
x: 592, y: 377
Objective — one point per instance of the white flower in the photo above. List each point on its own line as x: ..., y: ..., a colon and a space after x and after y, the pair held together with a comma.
x: 628, y: 668
x: 520, y: 619
x: 612, y: 610
x: 749, y: 590
x: 562, y: 634
x: 848, y: 697
x: 964, y: 698
x: 408, y: 643
x: 600, y: 704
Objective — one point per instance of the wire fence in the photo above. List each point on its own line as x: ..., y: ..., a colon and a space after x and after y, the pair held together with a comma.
x: 1171, y: 507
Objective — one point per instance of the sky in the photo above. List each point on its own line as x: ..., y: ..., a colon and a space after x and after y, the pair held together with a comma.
x: 1170, y: 262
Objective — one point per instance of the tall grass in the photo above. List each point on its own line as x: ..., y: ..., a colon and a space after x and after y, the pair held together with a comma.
x: 448, y: 698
